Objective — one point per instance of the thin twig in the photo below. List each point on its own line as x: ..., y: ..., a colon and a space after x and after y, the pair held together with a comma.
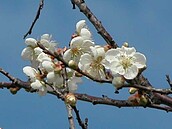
x: 149, y: 88
x: 83, y: 125
x: 41, y: 4
x: 169, y: 81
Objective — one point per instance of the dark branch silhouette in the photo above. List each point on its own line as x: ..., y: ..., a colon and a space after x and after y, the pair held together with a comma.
x: 41, y: 4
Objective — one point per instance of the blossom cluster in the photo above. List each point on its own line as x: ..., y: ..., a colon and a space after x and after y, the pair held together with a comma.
x: 100, y: 62
x: 47, y: 73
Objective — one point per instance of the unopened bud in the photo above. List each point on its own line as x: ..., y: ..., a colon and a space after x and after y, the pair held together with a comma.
x: 107, y: 47
x: 57, y: 69
x: 118, y: 81
x: 143, y: 100
x: 70, y: 99
x: 14, y: 90
x: 72, y: 64
x: 77, y: 74
x: 132, y: 90
x: 125, y: 44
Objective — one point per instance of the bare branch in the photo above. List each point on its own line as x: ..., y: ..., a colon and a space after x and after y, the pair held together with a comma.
x: 149, y: 88
x: 88, y: 98
x: 117, y: 103
x: 169, y: 81
x: 84, y: 125
x: 41, y: 4
x: 97, y: 24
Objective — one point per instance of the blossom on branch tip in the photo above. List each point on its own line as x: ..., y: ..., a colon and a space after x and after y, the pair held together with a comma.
x: 82, y: 30
x: 125, y: 61
x: 32, y: 51
x: 47, y: 42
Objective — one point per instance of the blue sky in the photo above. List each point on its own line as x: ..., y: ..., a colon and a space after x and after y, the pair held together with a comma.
x: 144, y: 24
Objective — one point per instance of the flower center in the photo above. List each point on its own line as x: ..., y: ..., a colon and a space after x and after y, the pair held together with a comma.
x: 126, y: 62
x: 96, y: 64
x: 75, y: 52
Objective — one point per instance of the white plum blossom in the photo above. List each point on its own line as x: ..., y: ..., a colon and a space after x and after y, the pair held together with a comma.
x: 72, y: 83
x: 32, y: 51
x: 47, y: 42
x: 78, y: 46
x: 82, y: 30
x: 93, y: 63
x: 125, y: 61
x: 47, y: 73
x: 55, y: 79
x: 37, y: 82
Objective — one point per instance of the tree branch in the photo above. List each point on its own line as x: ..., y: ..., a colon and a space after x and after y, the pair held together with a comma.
x: 41, y: 4
x: 82, y: 124
x: 88, y: 98
x: 149, y: 88
x: 117, y: 103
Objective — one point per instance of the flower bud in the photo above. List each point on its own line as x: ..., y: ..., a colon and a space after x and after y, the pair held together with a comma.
x: 143, y: 100
x: 14, y: 90
x: 125, y: 44
x: 78, y: 74
x: 72, y: 64
x: 118, y: 81
x: 70, y: 99
x: 132, y: 90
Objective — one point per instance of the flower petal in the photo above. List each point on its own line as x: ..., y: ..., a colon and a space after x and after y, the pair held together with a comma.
x: 131, y: 72
x: 139, y: 60
x: 111, y: 55
x: 86, y: 45
x: 48, y: 66
x: 85, y: 60
x: 54, y: 78
x: 118, y: 81
x: 31, y: 42
x: 37, y: 51
x: 27, y: 53
x: 36, y: 84
x: 46, y: 37
x: 67, y: 56
x: 43, y: 57
x: 85, y: 34
x: 116, y: 67
x: 76, y: 42
x: 128, y: 51
x: 72, y: 83
x: 30, y: 72
x: 80, y: 25
x: 51, y: 77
